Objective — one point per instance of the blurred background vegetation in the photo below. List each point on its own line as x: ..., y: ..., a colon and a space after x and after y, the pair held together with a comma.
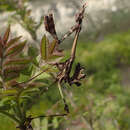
x: 102, y: 102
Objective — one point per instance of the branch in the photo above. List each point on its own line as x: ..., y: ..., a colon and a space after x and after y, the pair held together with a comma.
x: 66, y: 107
x: 73, y: 51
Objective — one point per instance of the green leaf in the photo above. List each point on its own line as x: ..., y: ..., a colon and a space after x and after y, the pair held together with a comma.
x: 18, y: 61
x: 9, y: 92
x: 52, y: 46
x: 4, y: 107
x: 15, y: 49
x: 32, y: 52
x: 6, y: 35
x: 28, y: 70
x: 12, y: 41
x: 6, y: 100
x: 13, y: 68
x: 44, y: 43
x: 23, y: 78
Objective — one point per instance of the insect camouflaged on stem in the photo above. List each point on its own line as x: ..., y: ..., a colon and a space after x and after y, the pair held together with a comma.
x: 66, y: 67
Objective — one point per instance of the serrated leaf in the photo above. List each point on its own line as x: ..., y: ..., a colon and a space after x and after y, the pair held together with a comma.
x: 12, y: 41
x: 44, y: 44
x: 18, y: 61
x: 15, y: 49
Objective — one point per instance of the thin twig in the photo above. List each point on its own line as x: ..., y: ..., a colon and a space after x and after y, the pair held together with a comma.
x: 24, y: 82
x: 73, y: 51
x: 55, y: 115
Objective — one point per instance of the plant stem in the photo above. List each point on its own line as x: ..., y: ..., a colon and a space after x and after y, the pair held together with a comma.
x: 66, y: 108
x: 60, y: 90
x: 24, y: 82
x: 73, y: 51
x: 55, y: 115
x: 21, y: 114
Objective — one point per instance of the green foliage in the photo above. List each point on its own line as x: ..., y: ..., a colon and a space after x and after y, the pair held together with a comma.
x: 105, y: 96
x: 17, y: 93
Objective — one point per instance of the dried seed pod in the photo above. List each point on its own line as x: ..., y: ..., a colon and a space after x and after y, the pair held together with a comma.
x: 50, y: 25
x: 78, y: 75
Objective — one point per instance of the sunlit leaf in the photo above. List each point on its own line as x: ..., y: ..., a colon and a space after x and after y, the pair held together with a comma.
x: 44, y: 43
x: 9, y: 92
